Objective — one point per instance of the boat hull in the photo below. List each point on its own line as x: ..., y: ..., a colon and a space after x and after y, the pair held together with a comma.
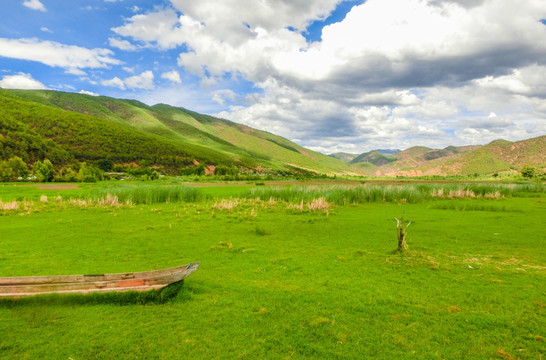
x: 14, y: 287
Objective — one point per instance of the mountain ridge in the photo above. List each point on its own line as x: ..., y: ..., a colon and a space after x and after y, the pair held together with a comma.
x: 182, y: 137
x: 496, y: 156
x: 68, y: 127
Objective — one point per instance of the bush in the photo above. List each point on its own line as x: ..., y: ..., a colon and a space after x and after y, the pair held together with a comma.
x: 68, y: 175
x: 528, y: 172
x: 43, y: 171
x: 105, y: 165
x: 6, y: 172
x: 224, y: 170
x: 89, y: 173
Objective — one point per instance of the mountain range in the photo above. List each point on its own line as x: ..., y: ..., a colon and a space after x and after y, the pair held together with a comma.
x: 497, y: 156
x: 68, y: 128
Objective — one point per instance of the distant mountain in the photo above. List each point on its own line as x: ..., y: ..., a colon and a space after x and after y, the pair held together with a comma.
x: 499, y: 155
x: 373, y: 157
x: 388, y: 151
x: 350, y: 158
x: 344, y: 156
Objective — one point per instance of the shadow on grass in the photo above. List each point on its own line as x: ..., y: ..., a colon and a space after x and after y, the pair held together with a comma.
x: 174, y: 291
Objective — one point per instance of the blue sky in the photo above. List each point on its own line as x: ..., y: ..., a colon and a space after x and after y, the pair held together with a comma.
x: 331, y: 75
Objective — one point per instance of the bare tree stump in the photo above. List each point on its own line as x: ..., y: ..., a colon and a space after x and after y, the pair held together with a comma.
x: 402, y: 228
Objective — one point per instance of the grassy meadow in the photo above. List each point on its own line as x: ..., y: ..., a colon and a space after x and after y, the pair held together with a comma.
x: 288, y: 272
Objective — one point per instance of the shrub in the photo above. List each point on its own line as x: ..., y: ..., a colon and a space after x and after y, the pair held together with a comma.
x: 89, y: 173
x: 43, y: 171
x: 528, y: 172
x: 105, y: 165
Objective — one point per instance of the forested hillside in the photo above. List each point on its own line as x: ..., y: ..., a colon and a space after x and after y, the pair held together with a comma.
x: 69, y: 128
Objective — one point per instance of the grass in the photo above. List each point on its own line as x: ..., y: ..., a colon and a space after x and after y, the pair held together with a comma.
x: 149, y: 194
x: 276, y: 282
x: 412, y: 193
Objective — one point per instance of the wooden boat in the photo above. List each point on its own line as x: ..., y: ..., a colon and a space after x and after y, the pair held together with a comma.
x: 82, y: 284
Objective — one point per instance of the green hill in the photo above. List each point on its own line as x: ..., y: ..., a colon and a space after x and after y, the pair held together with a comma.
x: 499, y: 155
x: 344, y: 156
x: 67, y: 127
x: 374, y: 157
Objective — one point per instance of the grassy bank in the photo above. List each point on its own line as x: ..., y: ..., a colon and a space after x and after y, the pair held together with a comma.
x: 281, y: 282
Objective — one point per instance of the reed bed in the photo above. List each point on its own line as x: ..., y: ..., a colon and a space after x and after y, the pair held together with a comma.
x: 11, y: 205
x: 147, y: 194
x: 412, y: 193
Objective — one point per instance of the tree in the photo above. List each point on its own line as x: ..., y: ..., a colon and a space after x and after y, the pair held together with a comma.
x: 224, y: 170
x: 88, y: 173
x: 6, y: 172
x: 106, y: 165
x: 528, y: 172
x: 43, y: 171
x: 19, y: 167
x: 69, y: 175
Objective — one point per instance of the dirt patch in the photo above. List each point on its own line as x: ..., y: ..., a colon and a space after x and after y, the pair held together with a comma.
x: 339, y: 182
x: 57, y: 186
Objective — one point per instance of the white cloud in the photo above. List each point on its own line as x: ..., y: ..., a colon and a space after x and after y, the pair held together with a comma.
x: 392, y: 73
x: 74, y: 71
x: 412, y: 43
x: 34, y: 5
x: 142, y: 81
x: 44, y: 29
x: 21, y: 81
x: 172, y: 76
x: 122, y: 44
x: 161, y: 29
x: 232, y: 20
x: 55, y: 54
x: 85, y: 92
x: 114, y: 82
x: 221, y: 96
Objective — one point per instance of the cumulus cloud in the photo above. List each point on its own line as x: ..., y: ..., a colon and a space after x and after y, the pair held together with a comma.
x: 122, y: 44
x: 74, y: 71
x: 21, y: 81
x: 114, y: 82
x: 409, y: 43
x: 45, y: 29
x: 172, y: 76
x: 34, y: 5
x: 55, y: 54
x: 391, y: 73
x: 161, y: 29
x: 143, y: 81
x: 85, y: 92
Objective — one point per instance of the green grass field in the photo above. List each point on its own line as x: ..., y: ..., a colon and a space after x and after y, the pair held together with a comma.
x: 284, y: 275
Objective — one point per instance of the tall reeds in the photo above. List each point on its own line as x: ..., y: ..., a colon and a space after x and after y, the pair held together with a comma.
x: 149, y: 194
x: 411, y: 193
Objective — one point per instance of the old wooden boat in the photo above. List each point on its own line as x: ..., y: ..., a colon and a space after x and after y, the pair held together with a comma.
x: 81, y: 284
